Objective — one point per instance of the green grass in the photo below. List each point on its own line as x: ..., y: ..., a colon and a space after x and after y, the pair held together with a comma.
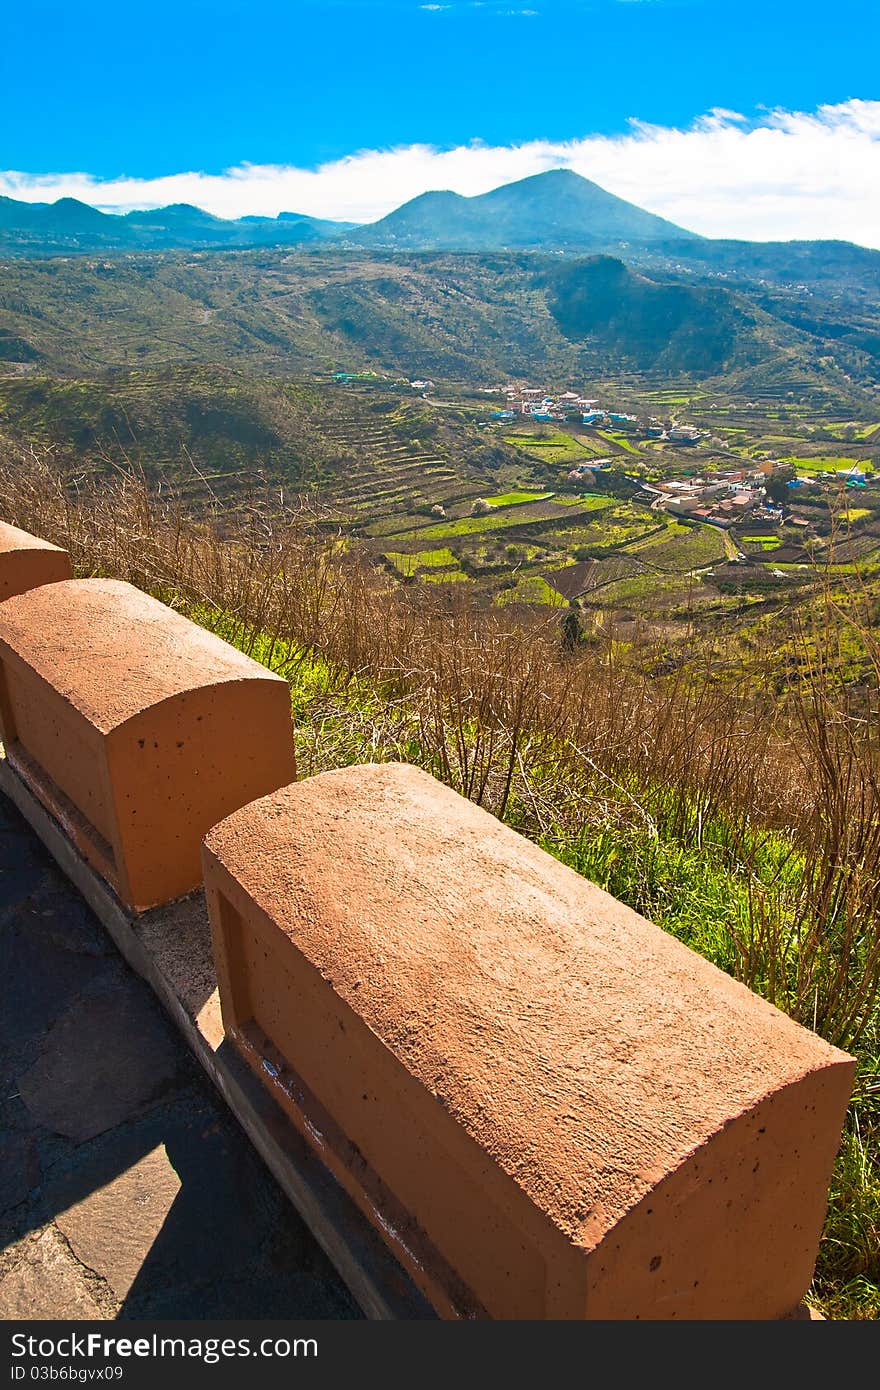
x: 606, y: 536
x: 652, y: 594
x: 513, y: 499
x: 681, y: 548
x: 554, y: 447
x: 593, y: 445
x: 689, y: 892
x: 847, y: 1282
x: 622, y: 440
x: 695, y: 894
x: 420, y: 559
x: 531, y: 588
x: 847, y: 567
x: 848, y: 433
x: 827, y: 463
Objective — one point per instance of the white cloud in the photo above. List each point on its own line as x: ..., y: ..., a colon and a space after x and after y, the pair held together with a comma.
x: 786, y: 174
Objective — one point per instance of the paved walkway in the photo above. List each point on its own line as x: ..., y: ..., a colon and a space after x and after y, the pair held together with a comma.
x: 126, y: 1189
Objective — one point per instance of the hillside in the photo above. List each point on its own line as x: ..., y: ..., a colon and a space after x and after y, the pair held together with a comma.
x: 656, y: 326
x: 457, y: 317
x: 213, y: 427
x: 822, y: 265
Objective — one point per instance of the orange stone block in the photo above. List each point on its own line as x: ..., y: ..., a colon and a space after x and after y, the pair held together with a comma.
x: 548, y: 1107
x: 26, y: 562
x: 137, y: 729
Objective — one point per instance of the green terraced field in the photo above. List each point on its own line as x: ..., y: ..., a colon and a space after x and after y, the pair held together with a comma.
x: 513, y: 499
x: 681, y: 548
x: 531, y: 588
x: 501, y: 520
x: 826, y: 463
x: 420, y: 559
x: 623, y: 441
x: 551, y: 448
x: 648, y: 592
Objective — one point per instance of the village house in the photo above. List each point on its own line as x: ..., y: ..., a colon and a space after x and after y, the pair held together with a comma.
x: 711, y: 518
x: 683, y: 434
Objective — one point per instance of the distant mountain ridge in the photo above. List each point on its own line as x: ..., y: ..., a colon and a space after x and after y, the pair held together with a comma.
x: 70, y: 225
x: 556, y: 213
x: 551, y: 211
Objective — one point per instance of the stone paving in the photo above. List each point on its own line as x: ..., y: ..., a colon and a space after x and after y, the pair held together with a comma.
x: 126, y: 1188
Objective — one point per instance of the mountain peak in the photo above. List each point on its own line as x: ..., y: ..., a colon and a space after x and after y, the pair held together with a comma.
x: 71, y: 215
x: 174, y: 214
x: 549, y: 178
x: 554, y: 210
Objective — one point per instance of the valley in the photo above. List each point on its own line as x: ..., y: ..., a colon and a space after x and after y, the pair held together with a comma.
x: 655, y: 540
x: 372, y: 372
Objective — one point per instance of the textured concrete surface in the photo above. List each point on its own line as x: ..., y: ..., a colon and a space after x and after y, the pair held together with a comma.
x: 47, y: 1282
x: 577, y: 1114
x: 102, y: 1061
x: 113, y: 1229
x: 136, y: 728
x: 26, y: 562
x: 110, y: 650
x: 157, y: 1206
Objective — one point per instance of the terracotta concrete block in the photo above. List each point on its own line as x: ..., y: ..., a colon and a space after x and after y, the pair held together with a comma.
x: 26, y: 562
x: 549, y: 1107
x: 136, y: 728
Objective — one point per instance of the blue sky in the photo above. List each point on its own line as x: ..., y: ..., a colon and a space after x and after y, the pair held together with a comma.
x: 135, y: 91
x: 145, y: 89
